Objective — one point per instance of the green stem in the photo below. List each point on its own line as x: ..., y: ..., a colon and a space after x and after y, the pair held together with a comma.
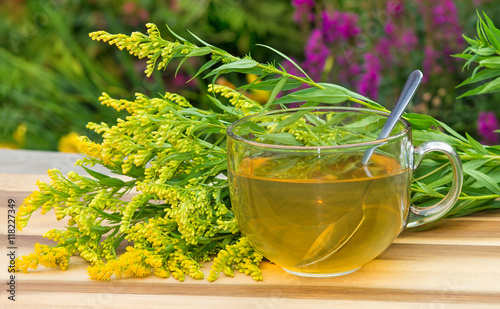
x: 270, y: 69
x: 434, y: 171
x: 480, y: 197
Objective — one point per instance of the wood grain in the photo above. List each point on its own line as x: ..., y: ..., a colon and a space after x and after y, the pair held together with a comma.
x: 455, y: 264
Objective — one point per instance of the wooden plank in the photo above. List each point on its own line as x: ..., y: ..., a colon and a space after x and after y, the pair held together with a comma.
x: 38, y: 162
x: 105, y: 299
x: 454, y: 264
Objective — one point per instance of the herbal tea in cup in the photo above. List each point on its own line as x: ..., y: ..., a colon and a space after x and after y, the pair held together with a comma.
x: 303, y: 198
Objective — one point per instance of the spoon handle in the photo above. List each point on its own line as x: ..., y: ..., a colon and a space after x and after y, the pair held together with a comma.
x: 406, y: 95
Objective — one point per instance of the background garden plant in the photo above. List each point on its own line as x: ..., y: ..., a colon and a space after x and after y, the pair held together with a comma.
x: 55, y: 74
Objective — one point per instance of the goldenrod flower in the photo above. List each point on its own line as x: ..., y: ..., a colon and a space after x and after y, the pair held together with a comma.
x: 69, y: 143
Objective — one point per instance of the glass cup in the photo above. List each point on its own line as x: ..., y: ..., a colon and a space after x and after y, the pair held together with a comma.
x: 303, y: 198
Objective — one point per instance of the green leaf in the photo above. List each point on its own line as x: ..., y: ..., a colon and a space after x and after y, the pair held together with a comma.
x: 103, y: 229
x: 492, y: 32
x: 492, y: 86
x: 275, y: 92
x: 428, y: 190
x: 287, y: 58
x: 112, y: 182
x: 474, y: 91
x: 427, y: 135
x: 201, y: 51
x: 73, y: 229
x: 138, y: 171
x: 475, y: 164
x: 95, y: 174
x: 280, y: 138
x: 452, y: 132
x: 473, y: 154
x: 291, y: 119
x: 470, y: 165
x: 479, y: 30
x: 469, y: 40
x: 175, y: 34
x: 204, y: 67
x: 334, y: 120
x: 327, y: 95
x: 419, y: 121
x: 237, y: 65
x: 484, y: 180
x: 365, y: 122
x: 204, y: 240
x: 492, y: 63
x: 194, y: 53
x: 354, y: 95
x: 484, y: 51
x: 482, y: 75
x: 227, y: 109
x: 291, y: 97
x: 463, y: 56
x: 270, y: 84
x: 201, y: 41
x: 111, y: 217
x: 250, y: 127
x: 476, y: 145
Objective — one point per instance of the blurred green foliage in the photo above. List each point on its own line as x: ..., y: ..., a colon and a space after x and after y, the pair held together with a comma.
x: 52, y: 73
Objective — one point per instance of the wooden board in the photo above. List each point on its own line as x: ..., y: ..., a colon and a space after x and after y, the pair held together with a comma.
x: 456, y: 264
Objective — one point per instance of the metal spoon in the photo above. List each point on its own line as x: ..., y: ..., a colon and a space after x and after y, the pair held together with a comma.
x: 406, y: 95
x: 329, y: 242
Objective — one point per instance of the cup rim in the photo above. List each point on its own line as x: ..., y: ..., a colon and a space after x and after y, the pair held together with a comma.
x: 372, y: 143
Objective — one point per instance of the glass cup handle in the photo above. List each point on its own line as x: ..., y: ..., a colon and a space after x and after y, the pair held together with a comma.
x: 422, y: 215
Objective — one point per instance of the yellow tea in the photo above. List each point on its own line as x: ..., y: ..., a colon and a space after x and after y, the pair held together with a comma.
x: 321, y: 216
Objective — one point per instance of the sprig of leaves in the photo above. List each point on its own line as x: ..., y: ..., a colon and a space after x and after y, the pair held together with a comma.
x: 160, y: 52
x: 484, y: 51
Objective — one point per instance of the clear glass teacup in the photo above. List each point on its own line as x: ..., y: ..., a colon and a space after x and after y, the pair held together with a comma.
x: 303, y: 198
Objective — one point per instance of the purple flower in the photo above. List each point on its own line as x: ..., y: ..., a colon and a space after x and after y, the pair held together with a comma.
x: 383, y: 48
x: 445, y: 18
x: 303, y: 10
x: 339, y: 25
x: 389, y: 28
x: 316, y: 53
x: 348, y: 68
x: 430, y: 65
x: 409, y: 40
x: 394, y: 7
x: 487, y: 123
x: 370, y: 81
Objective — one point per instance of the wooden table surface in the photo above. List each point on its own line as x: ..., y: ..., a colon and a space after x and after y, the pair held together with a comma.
x: 454, y: 265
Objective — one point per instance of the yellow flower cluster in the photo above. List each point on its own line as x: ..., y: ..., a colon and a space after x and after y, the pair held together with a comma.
x: 178, y: 99
x: 69, y: 143
x: 142, y: 46
x: 241, y: 256
x: 142, y: 262
x: 133, y: 263
x: 179, y: 265
x: 240, y: 101
x: 174, y: 153
x: 50, y: 196
x: 138, y: 201
x: 92, y: 150
x: 156, y: 233
x: 50, y: 257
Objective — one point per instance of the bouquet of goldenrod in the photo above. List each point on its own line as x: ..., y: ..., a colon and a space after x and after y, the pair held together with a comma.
x: 174, y: 158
